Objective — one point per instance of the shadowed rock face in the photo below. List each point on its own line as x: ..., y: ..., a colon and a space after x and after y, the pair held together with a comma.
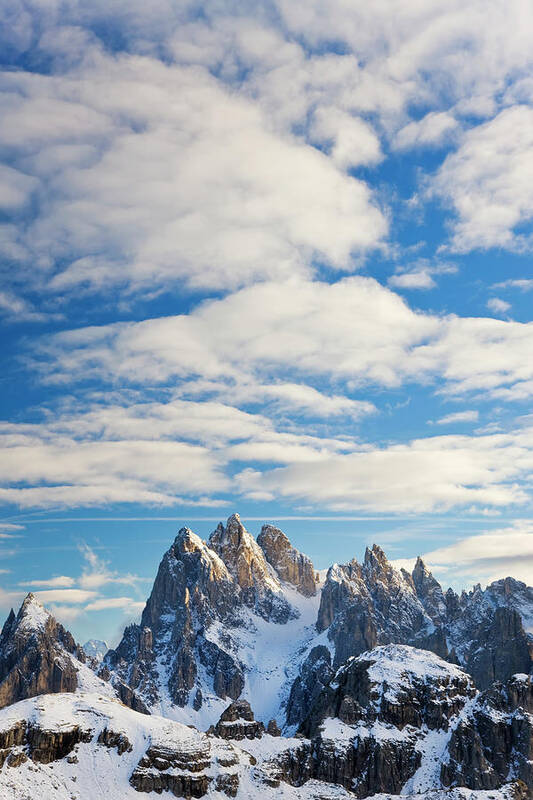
x: 238, y: 722
x: 369, y: 604
x: 34, y: 655
x: 198, y: 585
x: 368, y: 727
x: 38, y: 656
x: 292, y: 566
x: 496, y: 739
x: 315, y: 674
x: 367, y: 724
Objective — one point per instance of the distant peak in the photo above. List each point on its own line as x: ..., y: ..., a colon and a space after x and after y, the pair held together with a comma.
x: 420, y: 567
x: 375, y: 555
x: 31, y: 600
x: 32, y: 613
x: 188, y: 541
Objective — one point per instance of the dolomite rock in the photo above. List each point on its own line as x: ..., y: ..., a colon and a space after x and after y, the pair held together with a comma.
x: 369, y: 604
x: 244, y: 558
x: 34, y: 654
x: 315, y: 673
x: 495, y: 740
x: 199, y: 586
x: 238, y: 722
x: 292, y: 566
x: 365, y: 726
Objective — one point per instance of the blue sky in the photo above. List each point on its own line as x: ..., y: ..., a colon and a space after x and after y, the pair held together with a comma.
x: 265, y: 258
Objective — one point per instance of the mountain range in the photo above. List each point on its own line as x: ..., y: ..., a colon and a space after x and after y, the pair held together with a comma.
x: 253, y: 673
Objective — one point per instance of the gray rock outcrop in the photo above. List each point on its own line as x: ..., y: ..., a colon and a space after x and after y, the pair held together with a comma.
x: 292, y: 566
x: 34, y: 654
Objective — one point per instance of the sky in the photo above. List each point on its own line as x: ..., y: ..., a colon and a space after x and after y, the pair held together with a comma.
x: 266, y: 257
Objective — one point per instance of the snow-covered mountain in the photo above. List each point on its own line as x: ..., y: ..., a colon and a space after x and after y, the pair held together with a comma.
x: 395, y: 720
x: 96, y: 649
x: 235, y: 617
x: 365, y: 669
x: 220, y: 624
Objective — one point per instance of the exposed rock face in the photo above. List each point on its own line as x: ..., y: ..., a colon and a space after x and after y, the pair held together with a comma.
x: 429, y: 592
x: 367, y: 604
x: 315, y: 674
x: 367, y: 725
x: 396, y: 685
x: 495, y: 741
x: 372, y: 604
x: 38, y: 656
x: 193, y: 588
x: 76, y: 729
x: 259, y: 585
x: 200, y: 587
x: 382, y: 723
x: 292, y: 566
x: 398, y: 719
x: 34, y: 654
x: 238, y: 722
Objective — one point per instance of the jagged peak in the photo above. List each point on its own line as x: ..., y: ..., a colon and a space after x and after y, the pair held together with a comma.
x: 232, y: 536
x: 32, y: 614
x: 375, y: 556
x: 291, y: 566
x: 420, y: 565
x: 242, y: 555
x: 187, y: 542
x: 272, y: 531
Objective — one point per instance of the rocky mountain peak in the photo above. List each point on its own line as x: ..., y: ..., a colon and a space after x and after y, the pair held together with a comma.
x: 244, y: 558
x: 32, y: 614
x: 375, y: 557
x: 429, y: 592
x: 35, y: 654
x: 292, y: 566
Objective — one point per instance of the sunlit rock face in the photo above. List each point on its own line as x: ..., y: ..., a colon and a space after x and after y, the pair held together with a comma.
x: 35, y: 654
x: 230, y: 612
x: 292, y: 566
x: 401, y: 720
x: 210, y: 601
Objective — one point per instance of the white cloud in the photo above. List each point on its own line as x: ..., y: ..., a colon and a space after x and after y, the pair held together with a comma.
x: 497, y: 305
x: 126, y: 604
x: 97, y: 573
x: 64, y: 596
x: 486, y: 557
x: 524, y: 284
x: 431, y: 474
x: 420, y: 279
x: 354, y: 330
x: 15, y: 187
x: 434, y: 129
x: 489, y: 182
x: 458, y: 416
x: 89, y: 472
x: 352, y: 141
x: 59, y: 582
x: 199, y: 190
x: 420, y: 274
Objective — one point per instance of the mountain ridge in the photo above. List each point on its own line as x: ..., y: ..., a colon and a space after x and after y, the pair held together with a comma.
x: 380, y: 681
